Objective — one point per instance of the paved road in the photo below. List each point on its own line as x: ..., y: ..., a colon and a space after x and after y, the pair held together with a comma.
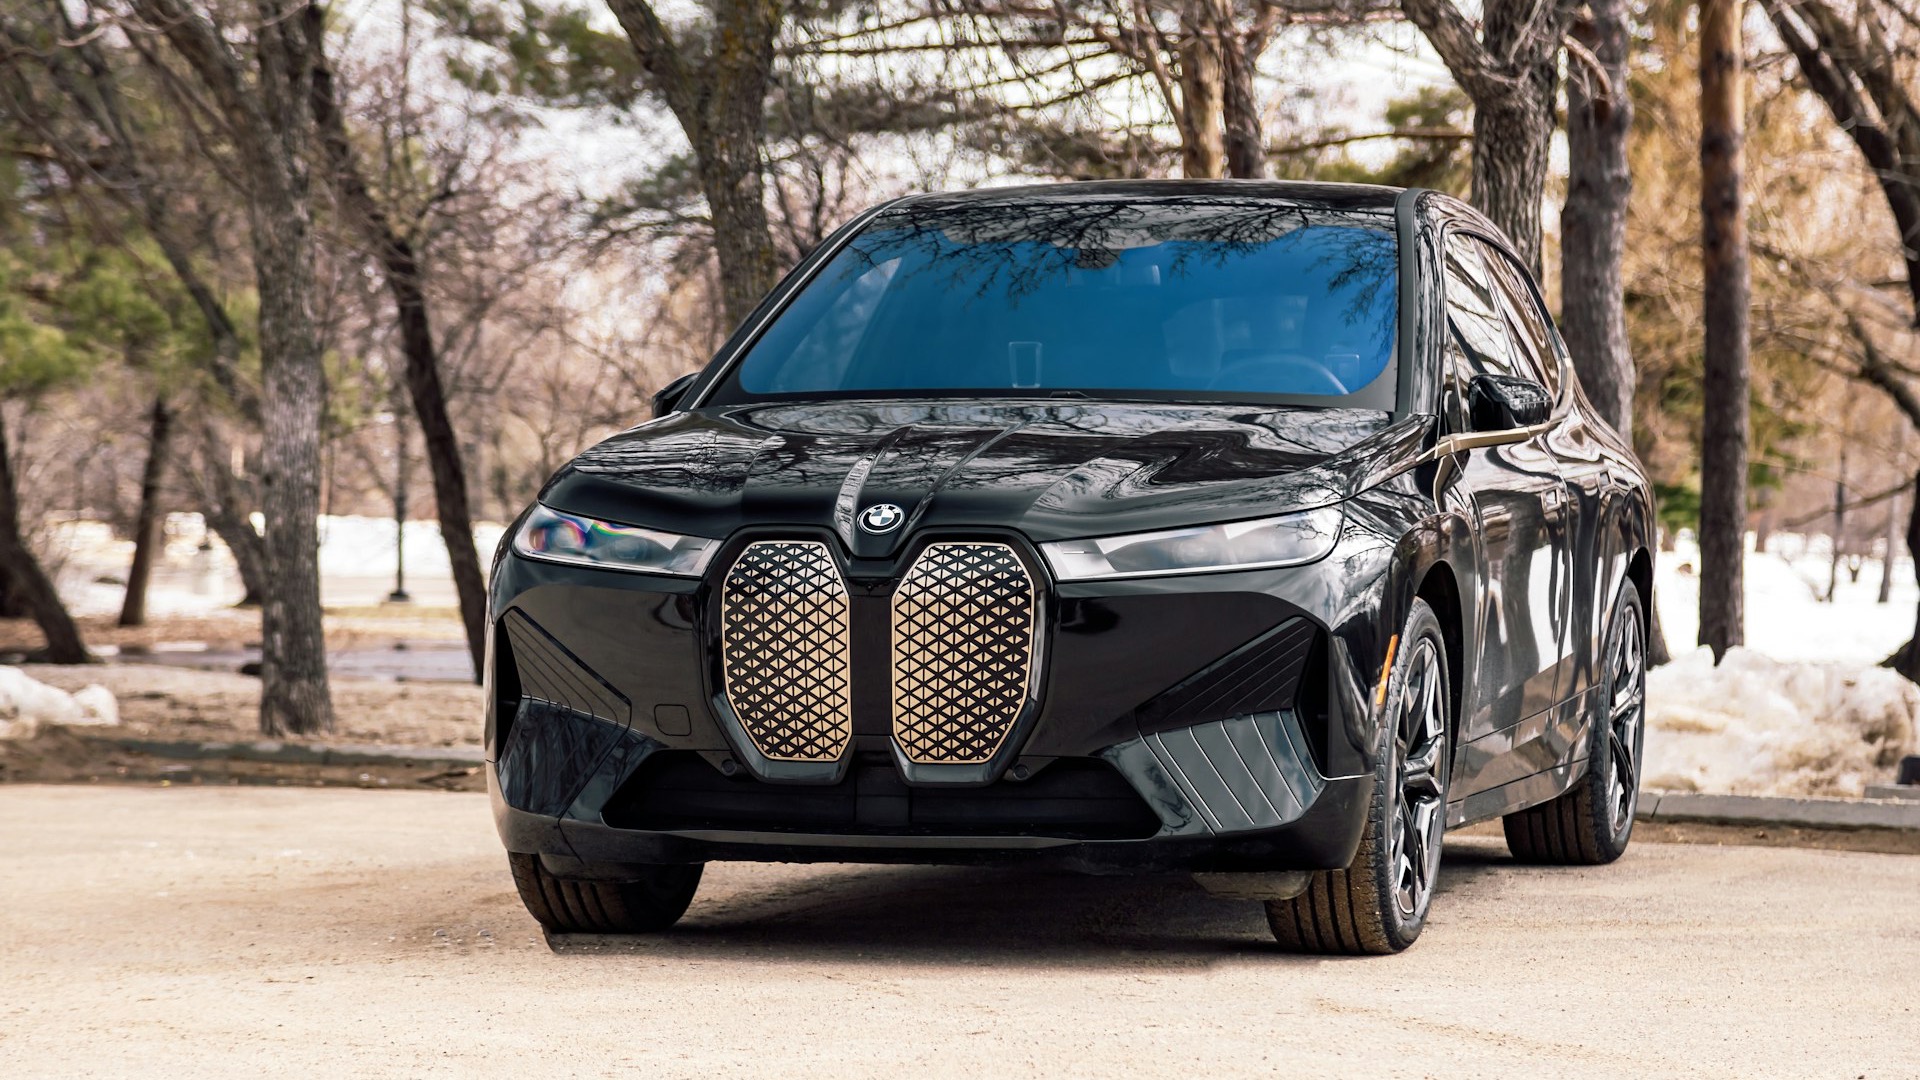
x: 267, y: 932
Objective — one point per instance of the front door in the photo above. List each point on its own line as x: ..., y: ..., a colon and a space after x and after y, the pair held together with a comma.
x: 1520, y: 501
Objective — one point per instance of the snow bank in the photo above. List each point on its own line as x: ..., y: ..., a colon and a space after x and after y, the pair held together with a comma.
x: 26, y: 704
x: 1758, y: 726
x: 1786, y: 615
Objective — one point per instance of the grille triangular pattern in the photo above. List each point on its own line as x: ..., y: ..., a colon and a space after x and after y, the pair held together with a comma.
x: 784, y: 637
x: 963, y: 634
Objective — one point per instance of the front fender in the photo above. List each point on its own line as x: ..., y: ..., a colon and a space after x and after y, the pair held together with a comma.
x: 1432, y: 534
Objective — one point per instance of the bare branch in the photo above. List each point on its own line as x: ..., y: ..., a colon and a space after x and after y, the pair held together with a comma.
x: 1419, y: 134
x: 1458, y: 44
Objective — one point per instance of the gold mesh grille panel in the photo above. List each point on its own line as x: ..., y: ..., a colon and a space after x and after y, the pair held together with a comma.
x: 964, y: 623
x: 783, y: 642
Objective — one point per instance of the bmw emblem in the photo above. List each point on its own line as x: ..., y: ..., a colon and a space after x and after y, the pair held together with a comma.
x: 882, y: 517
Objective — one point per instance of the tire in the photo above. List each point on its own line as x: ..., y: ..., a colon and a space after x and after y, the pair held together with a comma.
x: 570, y: 906
x: 1379, y: 903
x: 1592, y: 822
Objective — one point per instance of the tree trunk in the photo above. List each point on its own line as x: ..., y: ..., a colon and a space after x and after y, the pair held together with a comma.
x: 719, y: 96
x: 1593, y: 222
x: 406, y: 283
x: 293, y: 665
x: 1723, y: 439
x: 227, y: 515
x: 23, y: 576
x: 10, y: 604
x: 264, y: 99
x: 1513, y: 129
x: 1245, y: 143
x: 732, y: 179
x: 147, y: 520
x: 1511, y: 71
x: 1203, y: 152
x: 1511, y: 136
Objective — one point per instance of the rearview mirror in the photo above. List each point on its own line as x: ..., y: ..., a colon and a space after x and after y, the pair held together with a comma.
x: 1503, y: 403
x: 668, y: 396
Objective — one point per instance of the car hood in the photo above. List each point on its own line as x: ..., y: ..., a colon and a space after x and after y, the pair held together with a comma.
x: 1051, y: 470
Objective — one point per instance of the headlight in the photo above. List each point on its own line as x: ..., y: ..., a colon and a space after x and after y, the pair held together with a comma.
x: 1238, y: 545
x: 583, y: 541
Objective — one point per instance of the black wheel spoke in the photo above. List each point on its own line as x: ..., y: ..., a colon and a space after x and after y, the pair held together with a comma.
x: 1633, y: 701
x: 1623, y: 764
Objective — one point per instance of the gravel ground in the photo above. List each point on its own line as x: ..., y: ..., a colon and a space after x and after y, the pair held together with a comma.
x: 258, y: 931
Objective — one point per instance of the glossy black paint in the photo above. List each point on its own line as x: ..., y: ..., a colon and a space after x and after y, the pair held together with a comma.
x: 1520, y: 546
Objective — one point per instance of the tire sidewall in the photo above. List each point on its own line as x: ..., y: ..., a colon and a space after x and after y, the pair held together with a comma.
x: 1421, y: 625
x: 1627, y: 605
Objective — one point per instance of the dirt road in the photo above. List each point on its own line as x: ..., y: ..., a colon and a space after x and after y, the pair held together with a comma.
x: 269, y: 932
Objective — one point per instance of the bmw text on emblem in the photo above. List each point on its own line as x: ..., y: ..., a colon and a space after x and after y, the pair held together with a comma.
x: 882, y: 517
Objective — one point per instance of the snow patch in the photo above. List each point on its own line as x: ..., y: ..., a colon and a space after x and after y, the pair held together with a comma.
x: 26, y: 705
x: 1787, y: 615
x: 1759, y: 726
x: 195, y: 573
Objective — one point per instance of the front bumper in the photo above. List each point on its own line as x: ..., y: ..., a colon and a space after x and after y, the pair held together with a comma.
x: 1213, y: 722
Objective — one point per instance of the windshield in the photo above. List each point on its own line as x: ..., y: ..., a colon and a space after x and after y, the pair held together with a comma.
x: 1190, y: 298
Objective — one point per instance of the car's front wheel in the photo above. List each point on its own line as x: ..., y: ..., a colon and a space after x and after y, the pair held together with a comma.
x: 650, y: 901
x: 1378, y: 904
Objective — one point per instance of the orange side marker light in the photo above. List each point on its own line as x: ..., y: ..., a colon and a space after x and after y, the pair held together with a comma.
x: 1386, y: 669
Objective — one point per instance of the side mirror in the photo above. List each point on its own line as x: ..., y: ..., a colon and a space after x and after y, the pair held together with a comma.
x: 668, y: 396
x: 1503, y: 403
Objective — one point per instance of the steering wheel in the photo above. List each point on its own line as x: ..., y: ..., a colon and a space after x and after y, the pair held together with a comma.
x: 1284, y: 369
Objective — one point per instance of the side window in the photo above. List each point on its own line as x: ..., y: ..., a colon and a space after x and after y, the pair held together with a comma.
x: 1531, y: 327
x: 1473, y: 310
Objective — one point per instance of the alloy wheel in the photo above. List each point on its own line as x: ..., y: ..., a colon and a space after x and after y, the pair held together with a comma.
x: 1421, y: 745
x: 1626, y: 731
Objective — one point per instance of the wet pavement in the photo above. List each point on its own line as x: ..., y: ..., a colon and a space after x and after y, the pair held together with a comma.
x: 409, y: 661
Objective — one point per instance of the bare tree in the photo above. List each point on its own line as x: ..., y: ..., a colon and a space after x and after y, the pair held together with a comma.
x: 257, y: 81
x: 1510, y: 68
x: 1856, y: 69
x: 715, y: 78
x: 1593, y: 221
x: 400, y: 260
x: 1726, y: 287
x: 1593, y: 224
x: 1201, y: 57
x: 86, y: 125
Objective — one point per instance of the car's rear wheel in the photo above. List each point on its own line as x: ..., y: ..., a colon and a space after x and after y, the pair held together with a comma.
x: 1591, y: 823
x: 1379, y: 903
x: 650, y: 901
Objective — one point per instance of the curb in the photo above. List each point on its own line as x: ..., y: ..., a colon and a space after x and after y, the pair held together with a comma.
x: 272, y: 750
x: 1898, y: 792
x: 1896, y: 813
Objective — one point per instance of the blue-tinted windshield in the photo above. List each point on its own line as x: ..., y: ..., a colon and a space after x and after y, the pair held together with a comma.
x: 1179, y: 298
